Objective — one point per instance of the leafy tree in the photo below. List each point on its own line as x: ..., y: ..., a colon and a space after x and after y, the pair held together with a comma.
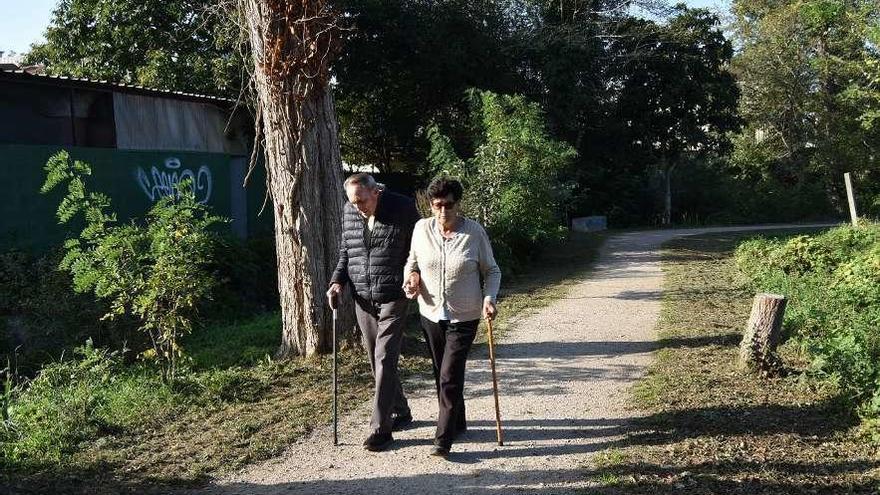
x: 183, y: 45
x: 674, y: 95
x: 559, y: 50
x: 409, y: 61
x: 808, y: 72
x: 514, y: 181
x: 867, y: 96
x: 158, y: 272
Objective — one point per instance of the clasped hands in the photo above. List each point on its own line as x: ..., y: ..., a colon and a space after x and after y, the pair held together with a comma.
x: 411, y: 290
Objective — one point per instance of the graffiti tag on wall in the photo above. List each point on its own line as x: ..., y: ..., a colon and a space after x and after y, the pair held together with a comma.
x: 160, y: 183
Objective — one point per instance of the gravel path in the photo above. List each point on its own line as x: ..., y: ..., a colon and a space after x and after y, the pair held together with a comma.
x: 564, y: 373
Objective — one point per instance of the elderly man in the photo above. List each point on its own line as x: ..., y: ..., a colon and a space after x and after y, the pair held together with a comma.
x: 377, y: 226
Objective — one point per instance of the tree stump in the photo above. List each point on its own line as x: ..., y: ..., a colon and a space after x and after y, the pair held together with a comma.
x: 757, y: 352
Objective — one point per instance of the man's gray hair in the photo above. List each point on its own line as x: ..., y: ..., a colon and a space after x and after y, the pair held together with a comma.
x: 361, y: 179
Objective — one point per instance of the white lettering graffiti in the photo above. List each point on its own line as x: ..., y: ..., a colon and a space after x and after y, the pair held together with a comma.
x: 160, y: 183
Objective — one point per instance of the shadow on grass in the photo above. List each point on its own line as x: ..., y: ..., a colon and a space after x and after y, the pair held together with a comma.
x: 562, y: 350
x: 97, y: 478
x: 740, y: 478
x: 823, y: 419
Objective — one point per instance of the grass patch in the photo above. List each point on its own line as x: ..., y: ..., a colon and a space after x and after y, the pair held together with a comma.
x: 610, y: 458
x: 832, y: 281
x: 711, y: 429
x: 243, y: 343
x: 117, y: 428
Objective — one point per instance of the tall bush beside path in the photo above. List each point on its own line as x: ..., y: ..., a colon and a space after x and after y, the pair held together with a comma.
x: 514, y: 181
x: 156, y: 272
x: 833, y: 282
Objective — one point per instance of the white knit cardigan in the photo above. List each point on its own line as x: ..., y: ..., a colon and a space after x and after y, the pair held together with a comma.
x: 450, y: 270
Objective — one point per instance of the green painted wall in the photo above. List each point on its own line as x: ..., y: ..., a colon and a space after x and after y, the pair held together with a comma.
x: 132, y: 179
x: 258, y: 224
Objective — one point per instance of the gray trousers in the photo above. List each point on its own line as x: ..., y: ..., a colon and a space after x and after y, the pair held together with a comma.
x: 382, y: 331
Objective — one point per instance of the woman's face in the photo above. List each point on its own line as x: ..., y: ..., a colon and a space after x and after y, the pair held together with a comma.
x: 445, y: 210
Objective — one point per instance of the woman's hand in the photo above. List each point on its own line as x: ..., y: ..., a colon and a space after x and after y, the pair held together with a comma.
x: 489, y: 310
x: 411, y: 286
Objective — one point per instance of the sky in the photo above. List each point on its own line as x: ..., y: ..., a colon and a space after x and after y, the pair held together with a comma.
x: 23, y: 21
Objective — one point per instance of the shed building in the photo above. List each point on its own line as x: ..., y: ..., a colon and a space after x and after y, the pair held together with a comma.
x: 139, y: 141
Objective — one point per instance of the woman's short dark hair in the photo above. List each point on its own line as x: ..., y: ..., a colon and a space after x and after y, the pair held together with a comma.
x: 442, y: 187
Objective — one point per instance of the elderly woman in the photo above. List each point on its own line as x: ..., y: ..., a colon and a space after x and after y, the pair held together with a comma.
x: 448, y: 256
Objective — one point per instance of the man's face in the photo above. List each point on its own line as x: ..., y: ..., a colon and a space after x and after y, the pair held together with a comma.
x: 363, y: 198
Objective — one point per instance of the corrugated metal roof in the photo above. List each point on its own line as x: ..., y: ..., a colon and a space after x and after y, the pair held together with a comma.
x: 78, y: 82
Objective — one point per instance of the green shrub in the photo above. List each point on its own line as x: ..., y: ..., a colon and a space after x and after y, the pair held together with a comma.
x: 514, y: 182
x: 246, y: 276
x: 856, y: 282
x: 157, y: 272
x: 40, y: 315
x: 833, y: 283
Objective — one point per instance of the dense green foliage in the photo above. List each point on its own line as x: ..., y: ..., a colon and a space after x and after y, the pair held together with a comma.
x: 157, y: 272
x: 407, y: 61
x: 635, y: 98
x: 42, y: 317
x: 648, y: 105
x: 675, y: 100
x: 808, y: 69
x: 833, y: 283
x: 181, y: 45
x: 40, y: 314
x: 73, y: 400
x: 515, y: 181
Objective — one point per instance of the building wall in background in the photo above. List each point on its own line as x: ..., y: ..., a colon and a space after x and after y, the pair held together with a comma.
x: 151, y: 123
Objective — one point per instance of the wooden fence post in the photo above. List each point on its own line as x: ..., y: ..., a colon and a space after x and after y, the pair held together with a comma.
x: 757, y: 351
x: 852, y: 199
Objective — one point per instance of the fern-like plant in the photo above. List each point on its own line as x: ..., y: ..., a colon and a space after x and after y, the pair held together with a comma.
x: 157, y: 271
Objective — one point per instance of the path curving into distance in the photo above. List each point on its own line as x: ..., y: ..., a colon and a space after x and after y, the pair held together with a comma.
x: 564, y: 374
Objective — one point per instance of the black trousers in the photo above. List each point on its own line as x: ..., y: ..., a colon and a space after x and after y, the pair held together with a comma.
x: 449, y: 344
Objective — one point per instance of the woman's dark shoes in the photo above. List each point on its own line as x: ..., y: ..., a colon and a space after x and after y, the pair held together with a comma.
x: 440, y: 451
x: 378, y: 442
x: 401, y: 421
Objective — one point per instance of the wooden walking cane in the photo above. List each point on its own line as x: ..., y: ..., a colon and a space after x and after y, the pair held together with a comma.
x: 494, y: 382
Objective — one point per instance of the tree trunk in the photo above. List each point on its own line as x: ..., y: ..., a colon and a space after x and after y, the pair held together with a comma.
x: 304, y: 173
x: 758, y: 348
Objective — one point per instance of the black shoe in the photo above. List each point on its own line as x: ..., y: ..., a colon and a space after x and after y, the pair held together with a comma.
x: 401, y: 421
x: 440, y: 451
x: 378, y: 442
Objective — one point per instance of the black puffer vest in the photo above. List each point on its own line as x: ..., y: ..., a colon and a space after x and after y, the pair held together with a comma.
x: 373, y: 261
